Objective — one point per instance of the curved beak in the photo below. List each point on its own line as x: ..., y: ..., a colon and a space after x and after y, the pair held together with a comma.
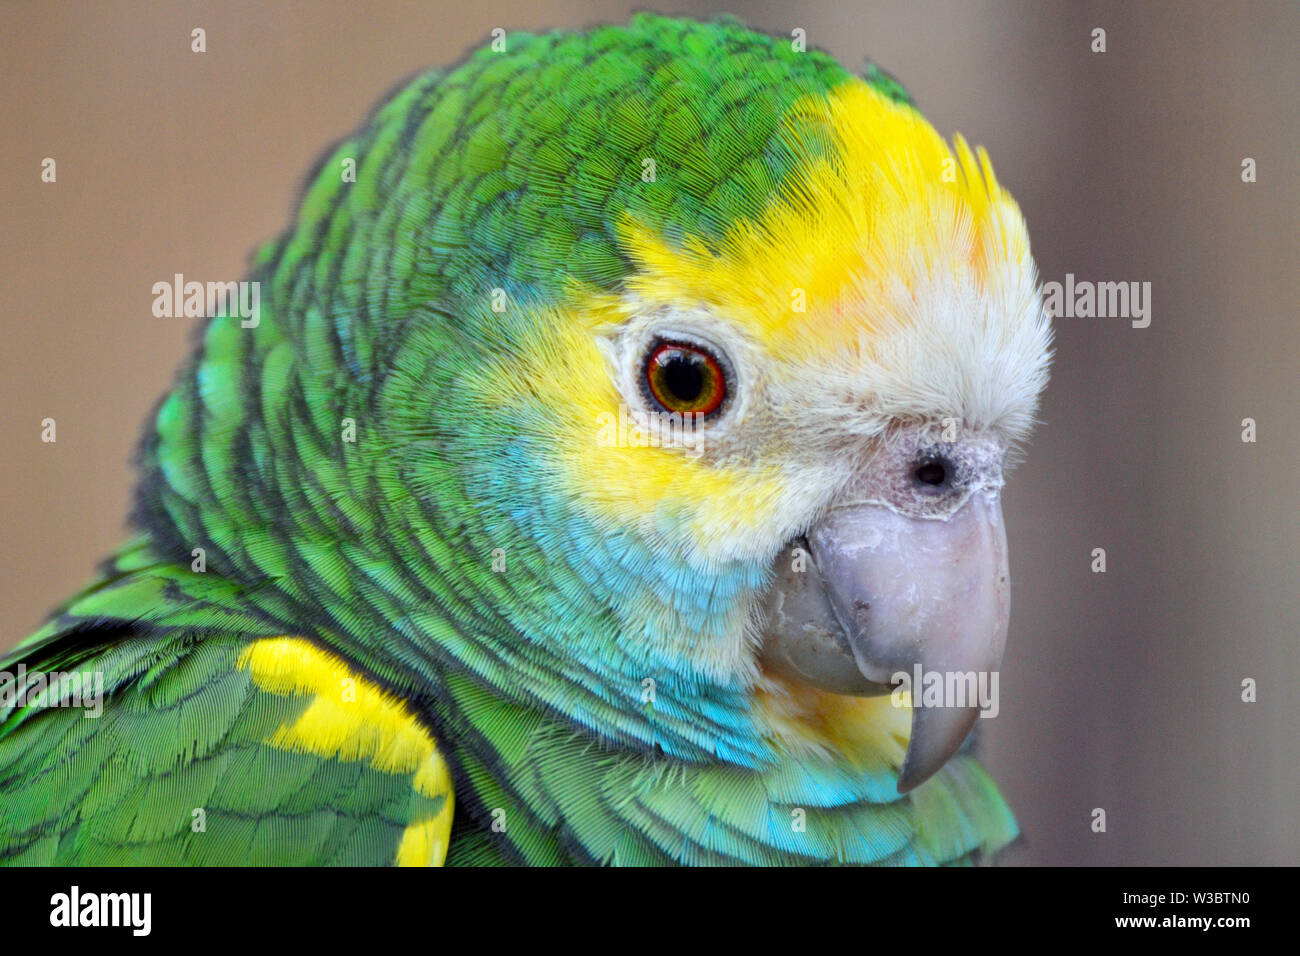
x: 921, y: 598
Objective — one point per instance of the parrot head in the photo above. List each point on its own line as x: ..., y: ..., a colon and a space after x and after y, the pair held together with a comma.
x: 759, y: 470
x: 686, y: 366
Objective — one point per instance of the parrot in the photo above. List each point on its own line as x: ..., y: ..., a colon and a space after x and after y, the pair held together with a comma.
x: 625, y: 411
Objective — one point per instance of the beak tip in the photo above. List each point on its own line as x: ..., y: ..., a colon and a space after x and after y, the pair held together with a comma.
x: 937, y: 734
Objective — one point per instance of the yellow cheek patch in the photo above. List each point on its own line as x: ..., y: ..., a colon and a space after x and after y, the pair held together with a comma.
x: 558, y: 373
x: 352, y: 719
x: 877, y: 204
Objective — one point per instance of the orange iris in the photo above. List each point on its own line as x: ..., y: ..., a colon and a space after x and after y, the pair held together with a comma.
x: 684, y: 378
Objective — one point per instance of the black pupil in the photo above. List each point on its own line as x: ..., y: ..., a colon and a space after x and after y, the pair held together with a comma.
x: 683, y: 375
x: 932, y: 473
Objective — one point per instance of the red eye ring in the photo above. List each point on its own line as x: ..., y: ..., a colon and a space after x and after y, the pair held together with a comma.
x: 685, y: 378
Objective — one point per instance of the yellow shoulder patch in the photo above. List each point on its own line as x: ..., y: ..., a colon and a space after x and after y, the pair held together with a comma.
x: 351, y: 718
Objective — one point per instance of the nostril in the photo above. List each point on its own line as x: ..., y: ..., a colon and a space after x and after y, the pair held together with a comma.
x: 933, y: 471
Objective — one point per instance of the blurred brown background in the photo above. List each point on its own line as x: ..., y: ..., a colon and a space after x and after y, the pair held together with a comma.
x: 1120, y: 690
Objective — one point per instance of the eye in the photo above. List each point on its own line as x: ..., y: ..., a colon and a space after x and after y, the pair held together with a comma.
x: 685, y: 378
x: 934, y: 471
